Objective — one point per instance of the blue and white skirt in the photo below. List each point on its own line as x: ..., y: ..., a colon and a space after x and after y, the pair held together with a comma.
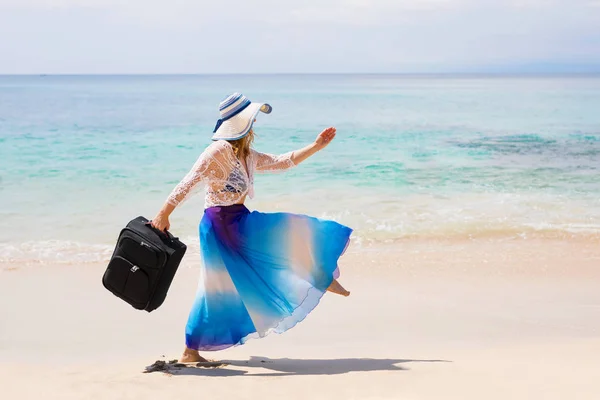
x: 261, y: 273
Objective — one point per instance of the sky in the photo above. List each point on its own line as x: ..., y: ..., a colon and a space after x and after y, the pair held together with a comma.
x: 310, y: 36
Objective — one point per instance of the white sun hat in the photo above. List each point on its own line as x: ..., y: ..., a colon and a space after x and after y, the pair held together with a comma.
x: 237, y: 116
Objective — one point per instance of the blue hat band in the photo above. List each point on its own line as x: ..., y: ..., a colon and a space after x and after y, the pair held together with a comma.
x: 232, y: 113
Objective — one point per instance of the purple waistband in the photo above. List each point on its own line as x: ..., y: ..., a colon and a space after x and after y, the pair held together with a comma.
x: 235, y: 209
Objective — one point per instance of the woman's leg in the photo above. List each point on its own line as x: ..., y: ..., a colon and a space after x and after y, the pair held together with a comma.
x: 337, y: 288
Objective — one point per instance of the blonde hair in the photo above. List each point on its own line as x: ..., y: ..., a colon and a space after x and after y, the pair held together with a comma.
x: 241, y: 147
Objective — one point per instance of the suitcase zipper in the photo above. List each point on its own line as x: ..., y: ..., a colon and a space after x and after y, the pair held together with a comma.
x: 146, y: 244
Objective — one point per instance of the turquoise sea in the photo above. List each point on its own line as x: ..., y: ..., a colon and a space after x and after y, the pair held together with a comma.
x: 415, y: 157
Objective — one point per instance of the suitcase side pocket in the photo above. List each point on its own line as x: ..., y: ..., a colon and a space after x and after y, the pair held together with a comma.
x: 127, y: 281
x: 141, y: 249
x: 139, y: 252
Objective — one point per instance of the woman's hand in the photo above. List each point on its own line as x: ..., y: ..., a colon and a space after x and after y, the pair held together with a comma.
x: 325, y: 137
x: 161, y: 222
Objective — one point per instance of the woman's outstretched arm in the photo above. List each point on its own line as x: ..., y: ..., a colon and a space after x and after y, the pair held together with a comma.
x: 268, y: 162
x: 322, y: 140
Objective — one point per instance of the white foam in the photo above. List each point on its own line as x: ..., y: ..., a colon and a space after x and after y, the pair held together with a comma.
x: 54, y: 252
x: 66, y: 252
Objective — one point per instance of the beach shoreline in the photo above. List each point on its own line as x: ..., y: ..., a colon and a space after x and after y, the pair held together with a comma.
x: 426, y: 320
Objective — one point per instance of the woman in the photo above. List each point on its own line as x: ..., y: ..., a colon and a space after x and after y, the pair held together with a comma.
x: 261, y: 272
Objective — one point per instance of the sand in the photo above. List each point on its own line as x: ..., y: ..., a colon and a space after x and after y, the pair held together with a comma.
x: 486, y: 319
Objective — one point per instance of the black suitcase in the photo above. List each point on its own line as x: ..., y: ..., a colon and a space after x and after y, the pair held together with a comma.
x: 143, y: 265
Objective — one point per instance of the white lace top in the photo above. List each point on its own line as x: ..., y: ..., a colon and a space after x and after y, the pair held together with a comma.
x: 227, y: 181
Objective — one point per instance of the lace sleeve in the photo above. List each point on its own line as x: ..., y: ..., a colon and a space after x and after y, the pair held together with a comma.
x: 210, y: 164
x: 270, y: 163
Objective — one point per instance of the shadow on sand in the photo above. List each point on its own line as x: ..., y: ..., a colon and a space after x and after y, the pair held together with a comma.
x: 289, y: 366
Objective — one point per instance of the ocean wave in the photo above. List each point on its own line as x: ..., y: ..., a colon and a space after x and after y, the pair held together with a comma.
x: 54, y: 252
x: 65, y: 252
x: 71, y: 253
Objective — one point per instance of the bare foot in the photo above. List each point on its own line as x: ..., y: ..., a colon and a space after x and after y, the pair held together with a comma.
x: 337, y: 288
x: 191, y: 356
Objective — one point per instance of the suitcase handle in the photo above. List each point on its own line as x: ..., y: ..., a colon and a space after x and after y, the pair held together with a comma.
x: 165, y: 233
